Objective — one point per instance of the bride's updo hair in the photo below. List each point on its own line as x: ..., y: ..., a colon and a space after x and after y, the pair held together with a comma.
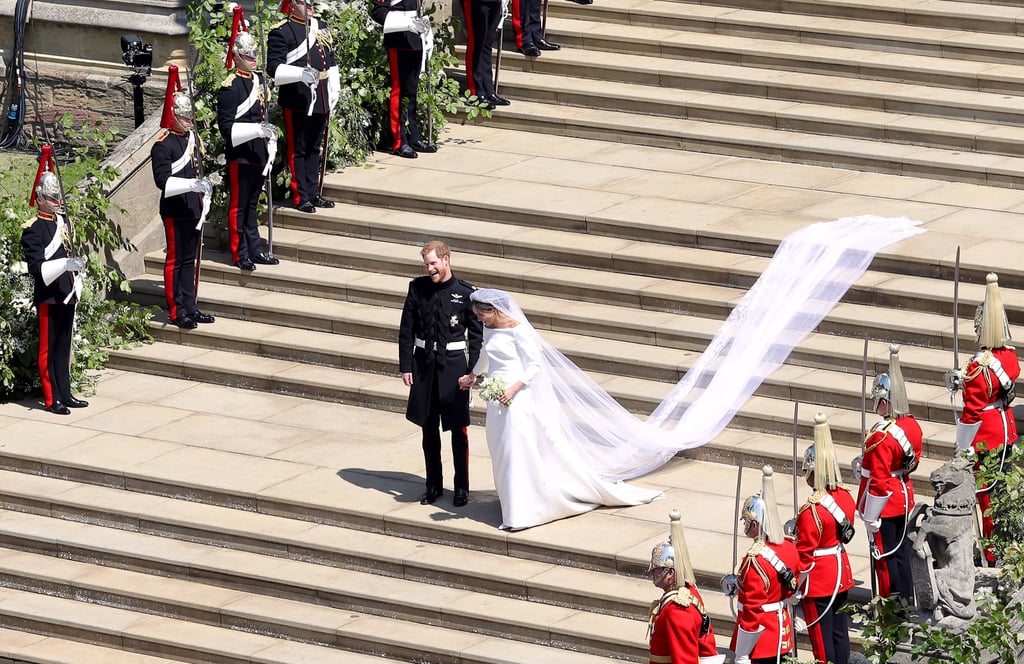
x: 482, y: 306
x: 478, y: 301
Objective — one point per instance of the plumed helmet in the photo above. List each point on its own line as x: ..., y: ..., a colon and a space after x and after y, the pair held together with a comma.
x: 761, y: 509
x: 891, y: 387
x: 821, y: 456
x: 168, y: 120
x: 288, y: 5
x: 47, y: 184
x: 990, y: 320
x: 241, y: 42
x: 673, y: 553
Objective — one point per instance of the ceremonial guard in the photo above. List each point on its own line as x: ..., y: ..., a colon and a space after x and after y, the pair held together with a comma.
x: 527, y: 26
x: 482, y: 20
x: 679, y: 626
x: 183, y: 204
x: 987, y: 425
x: 301, y: 61
x: 765, y: 579
x: 439, y: 338
x: 58, y: 285
x: 409, y: 41
x: 250, y: 143
x: 891, y: 453
x: 824, y: 525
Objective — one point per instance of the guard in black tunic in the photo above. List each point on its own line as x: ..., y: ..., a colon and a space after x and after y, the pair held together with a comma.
x: 409, y: 41
x: 249, y: 143
x: 526, y: 25
x: 58, y: 285
x: 482, y: 19
x: 301, y: 61
x: 175, y: 171
x: 438, y: 341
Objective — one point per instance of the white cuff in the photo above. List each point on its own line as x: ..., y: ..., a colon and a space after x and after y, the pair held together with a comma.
x: 873, y: 506
x: 745, y: 641
x: 285, y: 74
x: 397, y: 22
x: 243, y: 132
x: 965, y: 434
x: 177, y: 186
x: 52, y: 269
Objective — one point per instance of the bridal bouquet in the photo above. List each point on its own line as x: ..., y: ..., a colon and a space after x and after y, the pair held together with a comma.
x: 492, y: 388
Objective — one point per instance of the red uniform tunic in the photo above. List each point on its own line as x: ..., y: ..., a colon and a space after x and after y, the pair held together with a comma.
x: 984, y: 401
x: 761, y: 594
x: 983, y: 398
x: 675, y: 629
x: 882, y: 467
x: 826, y: 566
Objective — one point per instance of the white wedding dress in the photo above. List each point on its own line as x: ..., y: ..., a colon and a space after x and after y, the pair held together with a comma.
x: 538, y: 475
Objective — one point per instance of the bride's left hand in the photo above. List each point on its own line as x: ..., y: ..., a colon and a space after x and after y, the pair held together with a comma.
x: 510, y: 394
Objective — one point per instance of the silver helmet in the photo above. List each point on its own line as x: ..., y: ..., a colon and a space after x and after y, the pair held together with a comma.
x: 48, y: 191
x: 673, y: 554
x: 245, y: 45
x: 761, y: 509
x: 891, y: 387
x: 820, y: 458
x: 990, y: 320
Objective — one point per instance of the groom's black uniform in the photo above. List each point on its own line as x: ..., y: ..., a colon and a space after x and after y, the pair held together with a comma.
x: 438, y: 340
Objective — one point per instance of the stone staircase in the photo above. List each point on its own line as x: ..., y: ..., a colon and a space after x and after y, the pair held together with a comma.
x: 928, y: 89
x: 247, y: 491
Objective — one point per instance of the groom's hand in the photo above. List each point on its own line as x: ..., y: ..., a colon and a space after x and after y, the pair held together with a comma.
x: 407, y: 379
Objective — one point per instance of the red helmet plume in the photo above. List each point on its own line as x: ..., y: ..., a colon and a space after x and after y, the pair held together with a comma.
x: 173, y: 87
x: 238, y: 24
x: 46, y: 165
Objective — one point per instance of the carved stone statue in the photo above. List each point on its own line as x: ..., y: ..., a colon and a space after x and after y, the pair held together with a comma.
x: 944, y: 546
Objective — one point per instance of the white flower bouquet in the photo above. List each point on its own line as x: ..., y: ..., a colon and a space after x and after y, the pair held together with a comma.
x: 492, y: 388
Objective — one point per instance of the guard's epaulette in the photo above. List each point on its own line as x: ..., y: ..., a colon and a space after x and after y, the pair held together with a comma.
x: 28, y: 223
x: 229, y: 80
x: 814, y: 499
x: 985, y: 359
x: 324, y: 38
x: 280, y: 23
x: 755, y: 549
x: 164, y: 133
x: 683, y: 597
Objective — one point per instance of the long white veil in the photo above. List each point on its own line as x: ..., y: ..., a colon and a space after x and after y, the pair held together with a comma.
x: 808, y: 275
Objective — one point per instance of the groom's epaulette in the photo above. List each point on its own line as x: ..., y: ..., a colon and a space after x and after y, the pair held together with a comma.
x: 465, y: 283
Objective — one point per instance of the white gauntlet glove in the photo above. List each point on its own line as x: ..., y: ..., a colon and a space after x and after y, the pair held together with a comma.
x: 268, y: 130
x: 202, y: 186
x: 310, y: 76
x: 420, y: 25
x: 76, y: 264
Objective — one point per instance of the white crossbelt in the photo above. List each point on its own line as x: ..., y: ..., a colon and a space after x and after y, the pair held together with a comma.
x: 767, y: 608
x: 451, y: 345
x: 830, y: 551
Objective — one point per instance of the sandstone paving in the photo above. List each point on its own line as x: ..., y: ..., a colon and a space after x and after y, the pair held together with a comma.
x: 51, y: 650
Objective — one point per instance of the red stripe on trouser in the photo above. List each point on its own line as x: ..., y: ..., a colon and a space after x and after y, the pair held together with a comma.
x: 172, y: 257
x: 984, y: 503
x: 233, y: 210
x: 44, y: 353
x: 814, y: 631
x: 517, y: 22
x: 882, y: 569
x: 289, y: 137
x: 465, y: 432
x: 470, y: 45
x: 394, y: 115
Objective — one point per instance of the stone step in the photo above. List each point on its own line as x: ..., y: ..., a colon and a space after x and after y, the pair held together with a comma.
x: 310, y: 604
x: 366, y: 571
x: 915, y: 122
x: 782, y: 55
x: 956, y: 41
x: 191, y: 641
x: 969, y: 15
x: 773, y: 144
x: 759, y: 432
x: 655, y: 85
x: 29, y: 648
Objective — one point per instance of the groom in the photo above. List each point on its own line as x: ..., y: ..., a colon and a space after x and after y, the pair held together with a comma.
x: 439, y: 339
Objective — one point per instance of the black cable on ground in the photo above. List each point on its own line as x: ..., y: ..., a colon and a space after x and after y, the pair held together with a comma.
x: 14, y: 92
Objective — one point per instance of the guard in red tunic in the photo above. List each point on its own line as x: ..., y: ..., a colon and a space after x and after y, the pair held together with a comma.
x: 679, y: 626
x: 250, y: 145
x: 824, y: 525
x: 986, y: 424
x: 766, y: 578
x: 184, y: 203
x: 58, y: 284
x: 891, y: 453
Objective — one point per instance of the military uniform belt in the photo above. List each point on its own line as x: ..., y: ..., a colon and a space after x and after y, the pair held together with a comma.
x: 830, y: 551
x: 433, y: 345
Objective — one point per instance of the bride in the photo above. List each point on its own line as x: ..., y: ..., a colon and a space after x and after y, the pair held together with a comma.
x: 540, y: 467
x: 561, y: 445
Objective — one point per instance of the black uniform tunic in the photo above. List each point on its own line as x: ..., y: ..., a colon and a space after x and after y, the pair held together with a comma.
x: 56, y: 318
x: 180, y: 214
x: 286, y: 44
x: 405, y: 53
x: 240, y: 100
